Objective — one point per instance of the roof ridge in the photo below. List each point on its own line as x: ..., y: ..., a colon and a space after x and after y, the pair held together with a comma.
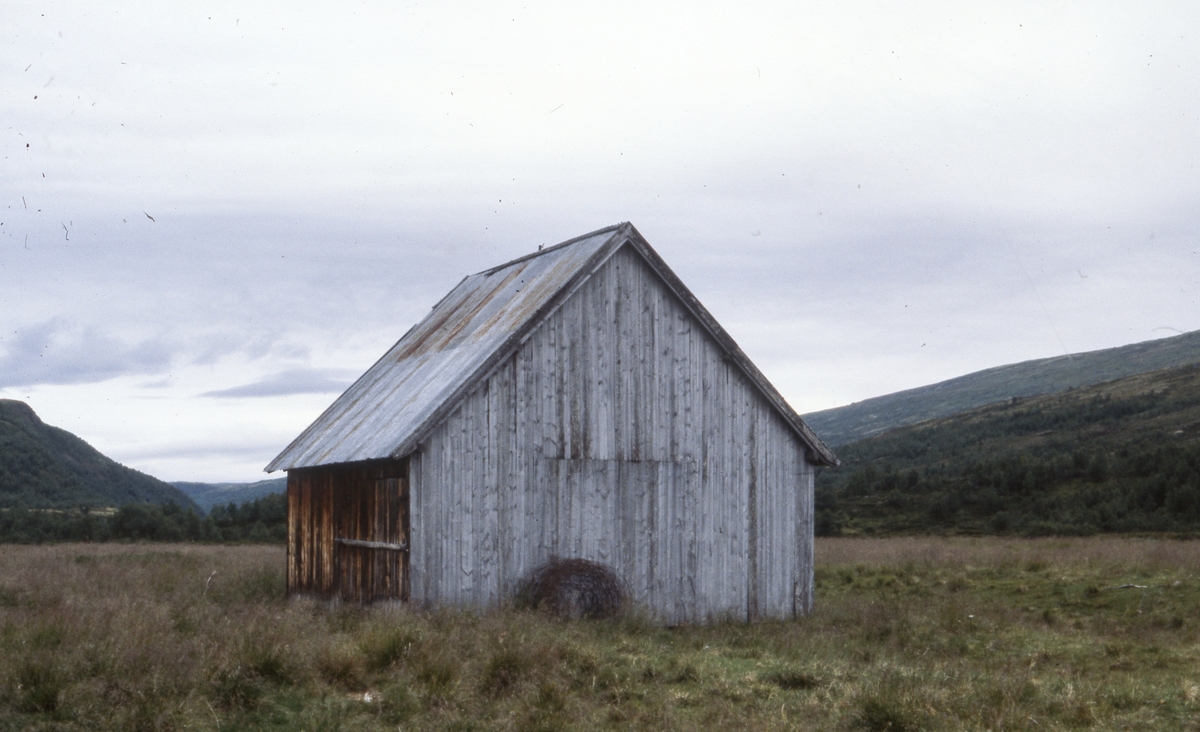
x: 395, y: 403
x: 547, y: 250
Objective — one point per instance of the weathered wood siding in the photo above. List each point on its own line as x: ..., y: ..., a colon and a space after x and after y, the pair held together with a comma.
x: 362, y: 501
x: 619, y: 432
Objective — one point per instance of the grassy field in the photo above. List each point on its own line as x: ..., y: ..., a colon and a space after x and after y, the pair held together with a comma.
x: 909, y: 633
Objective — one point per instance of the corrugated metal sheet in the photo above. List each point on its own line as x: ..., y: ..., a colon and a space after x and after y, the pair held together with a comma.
x: 483, y: 320
x: 386, y: 409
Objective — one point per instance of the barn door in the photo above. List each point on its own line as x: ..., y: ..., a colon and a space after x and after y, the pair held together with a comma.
x: 371, y: 548
x: 391, y: 523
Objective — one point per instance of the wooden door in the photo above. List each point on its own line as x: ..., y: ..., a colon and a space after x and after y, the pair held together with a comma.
x: 371, y: 546
x: 390, y: 566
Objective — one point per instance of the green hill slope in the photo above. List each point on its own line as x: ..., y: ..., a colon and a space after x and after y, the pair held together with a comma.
x: 1119, y: 456
x: 208, y: 495
x: 47, y: 467
x: 843, y: 425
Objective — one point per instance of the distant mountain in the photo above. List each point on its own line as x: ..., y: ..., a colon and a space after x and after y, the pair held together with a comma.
x: 47, y: 467
x: 844, y: 425
x: 1122, y: 456
x: 208, y: 495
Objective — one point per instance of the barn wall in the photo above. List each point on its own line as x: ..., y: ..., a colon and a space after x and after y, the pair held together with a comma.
x: 363, y: 501
x: 619, y: 433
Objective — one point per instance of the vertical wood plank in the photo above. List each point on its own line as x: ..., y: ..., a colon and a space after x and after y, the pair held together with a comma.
x: 617, y: 432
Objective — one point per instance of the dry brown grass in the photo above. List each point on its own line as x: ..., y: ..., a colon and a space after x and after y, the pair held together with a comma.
x: 1147, y: 553
x: 939, y: 634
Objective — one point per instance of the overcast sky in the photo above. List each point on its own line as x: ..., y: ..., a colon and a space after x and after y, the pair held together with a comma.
x: 214, y: 216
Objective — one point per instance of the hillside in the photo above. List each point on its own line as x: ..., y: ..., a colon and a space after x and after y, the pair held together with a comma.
x: 1119, y: 456
x: 47, y: 467
x: 844, y: 425
x: 208, y: 495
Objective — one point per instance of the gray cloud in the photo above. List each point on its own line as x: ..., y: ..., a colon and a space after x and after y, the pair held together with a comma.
x: 59, y: 352
x: 869, y: 201
x: 295, y: 381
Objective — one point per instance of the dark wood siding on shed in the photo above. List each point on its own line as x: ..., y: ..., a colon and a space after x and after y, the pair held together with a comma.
x: 360, y: 501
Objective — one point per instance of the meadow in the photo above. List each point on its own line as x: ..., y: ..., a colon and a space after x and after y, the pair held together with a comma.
x: 909, y: 634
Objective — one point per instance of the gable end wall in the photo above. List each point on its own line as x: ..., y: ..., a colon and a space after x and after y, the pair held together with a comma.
x: 617, y: 433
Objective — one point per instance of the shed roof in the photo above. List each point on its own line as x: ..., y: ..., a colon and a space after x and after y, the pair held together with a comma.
x: 486, y: 317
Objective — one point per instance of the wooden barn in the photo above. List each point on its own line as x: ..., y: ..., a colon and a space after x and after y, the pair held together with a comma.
x: 578, y: 402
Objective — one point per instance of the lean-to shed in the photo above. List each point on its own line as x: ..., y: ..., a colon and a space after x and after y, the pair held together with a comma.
x: 576, y: 402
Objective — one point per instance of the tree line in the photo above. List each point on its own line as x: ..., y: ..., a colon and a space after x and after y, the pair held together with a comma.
x: 263, y: 520
x: 1076, y: 493
x: 1065, y: 465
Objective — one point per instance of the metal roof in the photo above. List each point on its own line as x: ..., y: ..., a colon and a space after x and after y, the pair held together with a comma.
x: 422, y: 378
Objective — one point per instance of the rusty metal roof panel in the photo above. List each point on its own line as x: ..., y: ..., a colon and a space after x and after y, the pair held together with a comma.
x: 387, y: 409
x: 422, y: 378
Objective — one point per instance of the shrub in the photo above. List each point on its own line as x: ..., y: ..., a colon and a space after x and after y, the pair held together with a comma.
x: 792, y: 679
x: 384, y: 648
x: 340, y: 665
x: 573, y: 588
x: 40, y: 685
x: 883, y: 713
x: 505, y: 670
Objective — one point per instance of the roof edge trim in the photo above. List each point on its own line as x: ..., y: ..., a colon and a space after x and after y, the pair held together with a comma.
x: 514, y: 341
x: 819, y: 452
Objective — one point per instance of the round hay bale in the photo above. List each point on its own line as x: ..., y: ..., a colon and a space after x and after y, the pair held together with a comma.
x: 573, y: 588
